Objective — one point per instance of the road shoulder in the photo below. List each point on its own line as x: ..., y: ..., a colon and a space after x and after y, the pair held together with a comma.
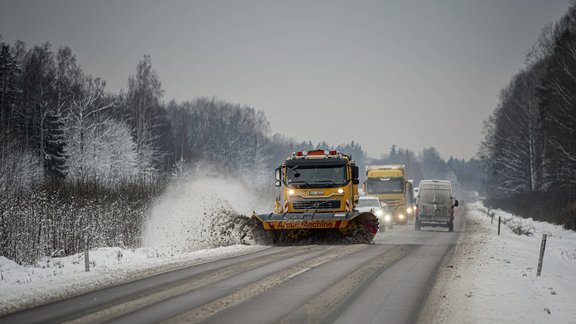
x: 493, y: 278
x: 447, y: 301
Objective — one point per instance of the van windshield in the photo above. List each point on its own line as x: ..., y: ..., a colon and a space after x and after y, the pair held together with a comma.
x: 434, y: 196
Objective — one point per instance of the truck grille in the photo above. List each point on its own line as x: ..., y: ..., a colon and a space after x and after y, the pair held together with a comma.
x: 316, y: 204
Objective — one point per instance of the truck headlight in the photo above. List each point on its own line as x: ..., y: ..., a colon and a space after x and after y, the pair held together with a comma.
x: 340, y: 190
x: 409, y: 210
x: 291, y: 191
x: 400, y: 216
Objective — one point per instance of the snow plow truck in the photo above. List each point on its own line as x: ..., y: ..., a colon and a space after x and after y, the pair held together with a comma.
x: 317, y: 195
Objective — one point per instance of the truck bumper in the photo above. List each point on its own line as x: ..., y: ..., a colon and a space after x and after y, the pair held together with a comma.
x: 434, y: 221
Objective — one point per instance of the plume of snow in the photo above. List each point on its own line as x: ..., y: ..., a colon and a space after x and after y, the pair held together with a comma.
x: 201, y: 213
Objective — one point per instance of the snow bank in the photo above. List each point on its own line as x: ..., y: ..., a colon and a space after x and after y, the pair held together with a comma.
x: 493, y: 278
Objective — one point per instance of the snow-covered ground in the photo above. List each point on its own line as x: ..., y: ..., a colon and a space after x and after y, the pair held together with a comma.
x: 492, y: 279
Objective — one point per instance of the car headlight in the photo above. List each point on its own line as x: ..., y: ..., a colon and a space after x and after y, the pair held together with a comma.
x: 387, y: 218
x: 379, y: 213
x: 400, y: 216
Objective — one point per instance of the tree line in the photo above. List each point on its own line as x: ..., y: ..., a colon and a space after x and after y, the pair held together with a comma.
x: 82, y: 165
x: 530, y: 138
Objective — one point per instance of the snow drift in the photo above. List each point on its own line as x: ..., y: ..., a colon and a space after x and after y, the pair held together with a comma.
x: 202, y: 213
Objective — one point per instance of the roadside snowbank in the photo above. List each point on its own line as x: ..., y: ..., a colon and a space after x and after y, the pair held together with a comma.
x: 55, y: 278
x: 493, y: 278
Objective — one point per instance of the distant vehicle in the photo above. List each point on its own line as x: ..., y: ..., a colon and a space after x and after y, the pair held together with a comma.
x: 390, y: 185
x: 435, y: 205
x: 381, y: 210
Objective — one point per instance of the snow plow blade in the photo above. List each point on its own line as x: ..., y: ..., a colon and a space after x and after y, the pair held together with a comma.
x: 356, y: 227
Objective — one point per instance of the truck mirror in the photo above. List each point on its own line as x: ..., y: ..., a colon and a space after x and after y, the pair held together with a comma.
x: 355, y: 172
x: 455, y: 203
x: 278, y: 183
x: 278, y: 175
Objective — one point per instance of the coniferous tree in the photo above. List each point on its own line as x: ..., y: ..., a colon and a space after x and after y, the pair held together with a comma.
x: 54, y: 146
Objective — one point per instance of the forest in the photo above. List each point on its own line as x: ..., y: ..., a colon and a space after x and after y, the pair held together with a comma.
x: 530, y: 138
x: 82, y: 165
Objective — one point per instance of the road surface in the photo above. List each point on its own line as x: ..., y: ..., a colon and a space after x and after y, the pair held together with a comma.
x: 384, y: 282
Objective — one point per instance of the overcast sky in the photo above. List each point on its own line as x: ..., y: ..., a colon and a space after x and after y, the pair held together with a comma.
x: 411, y: 73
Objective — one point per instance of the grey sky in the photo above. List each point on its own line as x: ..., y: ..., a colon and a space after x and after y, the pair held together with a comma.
x: 411, y: 73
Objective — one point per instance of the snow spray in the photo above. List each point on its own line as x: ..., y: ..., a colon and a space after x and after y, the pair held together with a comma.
x: 201, y: 213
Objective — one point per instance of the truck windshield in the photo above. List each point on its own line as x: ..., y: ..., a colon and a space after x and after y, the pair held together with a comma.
x: 434, y: 196
x: 384, y: 185
x: 312, y: 176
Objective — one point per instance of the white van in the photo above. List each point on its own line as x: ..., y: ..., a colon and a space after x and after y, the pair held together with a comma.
x: 435, y: 204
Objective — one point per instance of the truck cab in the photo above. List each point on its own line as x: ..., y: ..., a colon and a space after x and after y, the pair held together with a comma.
x: 389, y: 184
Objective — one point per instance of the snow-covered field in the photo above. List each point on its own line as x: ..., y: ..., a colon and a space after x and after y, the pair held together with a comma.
x: 492, y: 279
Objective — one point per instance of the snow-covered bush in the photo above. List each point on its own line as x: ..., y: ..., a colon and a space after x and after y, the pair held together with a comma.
x: 521, y: 226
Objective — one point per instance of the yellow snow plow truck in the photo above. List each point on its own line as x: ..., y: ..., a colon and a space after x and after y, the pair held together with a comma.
x: 389, y: 184
x: 318, y: 192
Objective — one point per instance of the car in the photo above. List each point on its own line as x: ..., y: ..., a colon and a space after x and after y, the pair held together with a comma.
x: 381, y: 210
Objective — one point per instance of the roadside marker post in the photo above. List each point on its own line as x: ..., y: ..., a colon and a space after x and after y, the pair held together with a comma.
x: 86, y: 253
x: 86, y: 261
x: 541, y: 259
x: 499, y: 220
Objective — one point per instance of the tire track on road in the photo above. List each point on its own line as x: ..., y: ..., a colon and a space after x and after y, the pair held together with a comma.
x: 253, y: 289
x: 179, y: 287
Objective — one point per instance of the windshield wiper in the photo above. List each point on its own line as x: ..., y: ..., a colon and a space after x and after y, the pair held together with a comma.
x: 327, y: 180
x: 297, y: 182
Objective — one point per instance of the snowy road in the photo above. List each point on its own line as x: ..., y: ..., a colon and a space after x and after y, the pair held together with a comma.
x: 383, y: 282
